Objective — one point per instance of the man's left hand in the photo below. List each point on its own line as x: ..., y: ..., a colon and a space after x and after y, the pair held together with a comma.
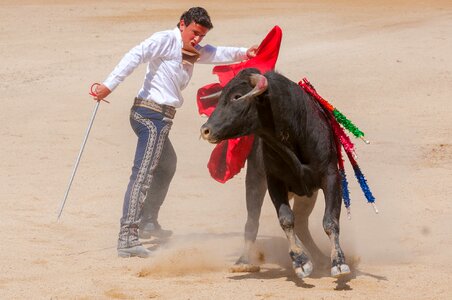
x: 252, y: 51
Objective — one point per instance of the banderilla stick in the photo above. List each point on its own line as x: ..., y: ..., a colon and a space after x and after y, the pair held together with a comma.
x: 92, y: 93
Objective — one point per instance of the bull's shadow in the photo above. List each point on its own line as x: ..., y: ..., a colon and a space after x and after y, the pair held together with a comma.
x: 274, y: 261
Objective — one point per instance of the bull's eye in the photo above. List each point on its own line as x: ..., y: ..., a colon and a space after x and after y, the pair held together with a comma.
x: 236, y: 96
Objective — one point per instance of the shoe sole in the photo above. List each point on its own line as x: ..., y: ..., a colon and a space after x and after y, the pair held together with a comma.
x: 128, y: 255
x: 124, y: 255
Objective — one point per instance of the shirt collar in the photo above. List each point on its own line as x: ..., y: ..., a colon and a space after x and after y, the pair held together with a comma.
x: 178, y: 35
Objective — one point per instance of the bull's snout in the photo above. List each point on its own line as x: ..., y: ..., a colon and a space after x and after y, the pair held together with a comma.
x: 205, y: 131
x: 206, y: 134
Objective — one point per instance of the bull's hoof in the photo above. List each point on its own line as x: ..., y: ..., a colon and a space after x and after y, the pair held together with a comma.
x: 244, y: 268
x: 304, y: 270
x: 340, y: 270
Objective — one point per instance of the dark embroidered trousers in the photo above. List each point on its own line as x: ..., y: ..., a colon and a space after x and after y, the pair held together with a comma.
x: 152, y: 171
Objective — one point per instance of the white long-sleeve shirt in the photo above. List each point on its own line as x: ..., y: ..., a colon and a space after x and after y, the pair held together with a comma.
x: 166, y: 75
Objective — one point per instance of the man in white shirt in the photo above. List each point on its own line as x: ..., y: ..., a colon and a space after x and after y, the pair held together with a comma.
x: 170, y: 56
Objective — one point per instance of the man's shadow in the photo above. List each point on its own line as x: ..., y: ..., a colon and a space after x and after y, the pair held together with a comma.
x: 156, y: 243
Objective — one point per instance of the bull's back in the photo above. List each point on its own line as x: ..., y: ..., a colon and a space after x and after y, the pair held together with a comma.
x: 309, y: 133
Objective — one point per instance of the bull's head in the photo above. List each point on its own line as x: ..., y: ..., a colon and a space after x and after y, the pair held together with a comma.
x: 236, y: 113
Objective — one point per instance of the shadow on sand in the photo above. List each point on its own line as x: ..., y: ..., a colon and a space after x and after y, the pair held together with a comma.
x: 276, y: 264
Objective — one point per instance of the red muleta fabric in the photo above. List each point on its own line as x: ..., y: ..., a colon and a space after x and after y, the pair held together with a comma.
x: 229, y: 156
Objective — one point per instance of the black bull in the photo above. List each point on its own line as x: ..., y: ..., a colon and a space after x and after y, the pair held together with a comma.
x: 298, y: 153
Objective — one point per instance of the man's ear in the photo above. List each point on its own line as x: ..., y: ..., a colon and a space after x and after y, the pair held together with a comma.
x: 181, y: 24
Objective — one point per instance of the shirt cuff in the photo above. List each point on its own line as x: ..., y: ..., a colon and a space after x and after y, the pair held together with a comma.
x: 243, y: 53
x: 111, y: 83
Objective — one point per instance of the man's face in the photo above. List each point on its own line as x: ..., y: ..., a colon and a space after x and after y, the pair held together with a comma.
x: 192, y: 34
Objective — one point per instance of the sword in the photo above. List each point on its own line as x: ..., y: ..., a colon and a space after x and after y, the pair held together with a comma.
x: 77, y: 161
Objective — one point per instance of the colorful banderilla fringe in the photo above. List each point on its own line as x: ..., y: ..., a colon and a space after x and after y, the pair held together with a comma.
x: 341, y: 139
x: 344, y: 182
x: 340, y: 118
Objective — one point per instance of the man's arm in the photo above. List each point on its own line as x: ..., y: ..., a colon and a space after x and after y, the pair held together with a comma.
x: 150, y: 48
x: 214, y: 55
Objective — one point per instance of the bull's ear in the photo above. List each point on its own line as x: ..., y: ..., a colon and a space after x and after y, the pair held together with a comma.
x: 259, y: 83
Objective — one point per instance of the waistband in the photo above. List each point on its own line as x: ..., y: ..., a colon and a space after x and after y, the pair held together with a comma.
x: 166, y: 110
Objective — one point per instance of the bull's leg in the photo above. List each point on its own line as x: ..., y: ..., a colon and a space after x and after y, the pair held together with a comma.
x: 302, y: 209
x: 256, y: 186
x: 333, y: 201
x: 298, y: 253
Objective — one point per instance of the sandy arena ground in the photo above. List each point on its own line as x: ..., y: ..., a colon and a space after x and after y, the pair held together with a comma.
x: 387, y: 66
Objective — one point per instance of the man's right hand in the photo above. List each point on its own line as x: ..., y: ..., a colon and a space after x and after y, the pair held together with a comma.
x: 101, y: 92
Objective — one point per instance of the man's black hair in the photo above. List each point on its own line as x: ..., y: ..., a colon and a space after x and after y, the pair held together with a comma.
x: 198, y: 15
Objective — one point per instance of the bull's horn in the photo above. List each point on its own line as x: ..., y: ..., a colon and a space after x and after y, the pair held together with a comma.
x: 211, y: 96
x: 259, y: 83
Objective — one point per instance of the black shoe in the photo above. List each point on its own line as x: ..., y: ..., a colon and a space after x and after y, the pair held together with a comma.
x: 151, y: 230
x: 138, y: 251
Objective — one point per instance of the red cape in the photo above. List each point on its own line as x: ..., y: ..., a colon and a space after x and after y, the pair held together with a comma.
x: 229, y: 156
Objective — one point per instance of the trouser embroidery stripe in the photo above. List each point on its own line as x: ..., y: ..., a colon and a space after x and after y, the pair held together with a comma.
x: 134, y: 201
x: 139, y: 186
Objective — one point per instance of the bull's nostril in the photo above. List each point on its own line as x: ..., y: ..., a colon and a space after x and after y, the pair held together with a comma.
x: 205, y: 131
x: 207, y: 134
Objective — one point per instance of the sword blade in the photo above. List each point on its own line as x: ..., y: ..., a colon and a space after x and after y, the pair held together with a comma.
x: 77, y: 161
